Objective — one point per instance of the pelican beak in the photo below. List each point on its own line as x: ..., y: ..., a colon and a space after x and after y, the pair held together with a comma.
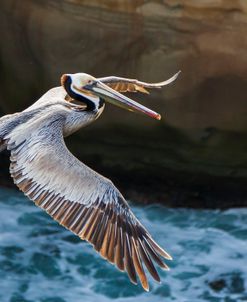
x: 118, y: 99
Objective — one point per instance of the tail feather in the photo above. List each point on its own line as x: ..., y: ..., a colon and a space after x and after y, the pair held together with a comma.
x: 7, y: 124
x: 4, y: 129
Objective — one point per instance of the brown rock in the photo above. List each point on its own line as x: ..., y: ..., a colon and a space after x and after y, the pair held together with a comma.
x: 204, y: 126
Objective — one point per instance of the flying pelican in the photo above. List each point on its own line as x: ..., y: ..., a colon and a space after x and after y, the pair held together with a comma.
x: 80, y: 199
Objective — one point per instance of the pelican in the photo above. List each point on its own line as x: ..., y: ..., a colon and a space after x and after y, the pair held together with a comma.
x: 81, y: 200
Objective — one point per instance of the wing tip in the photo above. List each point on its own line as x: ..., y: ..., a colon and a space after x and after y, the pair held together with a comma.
x: 168, y: 257
x: 170, y: 80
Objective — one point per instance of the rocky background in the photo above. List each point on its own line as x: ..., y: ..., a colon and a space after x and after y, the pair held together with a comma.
x: 196, y: 156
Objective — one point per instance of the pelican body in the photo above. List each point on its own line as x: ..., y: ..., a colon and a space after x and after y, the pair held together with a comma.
x: 77, y: 197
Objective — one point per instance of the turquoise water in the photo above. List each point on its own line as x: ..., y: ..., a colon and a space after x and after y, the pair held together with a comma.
x: 42, y: 262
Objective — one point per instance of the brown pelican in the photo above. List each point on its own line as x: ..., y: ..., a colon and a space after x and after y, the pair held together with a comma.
x: 80, y: 199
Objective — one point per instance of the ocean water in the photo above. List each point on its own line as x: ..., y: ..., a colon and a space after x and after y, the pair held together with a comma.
x: 40, y: 261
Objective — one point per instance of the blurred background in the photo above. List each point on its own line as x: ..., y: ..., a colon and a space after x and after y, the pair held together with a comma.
x: 195, y: 157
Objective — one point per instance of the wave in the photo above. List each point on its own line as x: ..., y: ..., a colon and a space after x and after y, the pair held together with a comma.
x: 41, y: 261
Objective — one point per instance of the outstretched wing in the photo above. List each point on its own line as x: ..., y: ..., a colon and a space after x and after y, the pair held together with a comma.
x: 80, y: 199
x: 133, y: 85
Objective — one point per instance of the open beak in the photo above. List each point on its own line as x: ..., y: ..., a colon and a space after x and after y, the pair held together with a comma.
x: 118, y: 99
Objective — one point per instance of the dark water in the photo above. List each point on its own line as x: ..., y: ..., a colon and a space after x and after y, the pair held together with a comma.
x: 42, y: 262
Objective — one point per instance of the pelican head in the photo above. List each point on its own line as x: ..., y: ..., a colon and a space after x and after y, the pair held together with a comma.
x: 91, y: 91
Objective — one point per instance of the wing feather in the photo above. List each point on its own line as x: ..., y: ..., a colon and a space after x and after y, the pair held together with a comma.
x: 119, y: 248
x: 138, y: 265
x: 81, y: 200
x: 128, y: 262
x: 133, y: 85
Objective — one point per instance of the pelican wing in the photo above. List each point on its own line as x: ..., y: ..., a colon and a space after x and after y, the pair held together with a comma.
x: 80, y: 199
x: 133, y: 85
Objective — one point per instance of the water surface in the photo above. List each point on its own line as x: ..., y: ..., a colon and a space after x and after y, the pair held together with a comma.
x: 40, y: 261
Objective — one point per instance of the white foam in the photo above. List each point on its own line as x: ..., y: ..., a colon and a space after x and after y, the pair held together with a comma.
x: 206, y: 246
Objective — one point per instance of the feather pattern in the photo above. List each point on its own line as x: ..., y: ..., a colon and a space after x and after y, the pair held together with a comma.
x: 133, y: 85
x: 80, y: 199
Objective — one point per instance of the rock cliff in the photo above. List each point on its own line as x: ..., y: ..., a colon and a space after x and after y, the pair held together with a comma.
x: 200, y: 145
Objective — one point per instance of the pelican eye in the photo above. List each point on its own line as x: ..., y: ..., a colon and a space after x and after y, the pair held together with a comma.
x: 89, y: 84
